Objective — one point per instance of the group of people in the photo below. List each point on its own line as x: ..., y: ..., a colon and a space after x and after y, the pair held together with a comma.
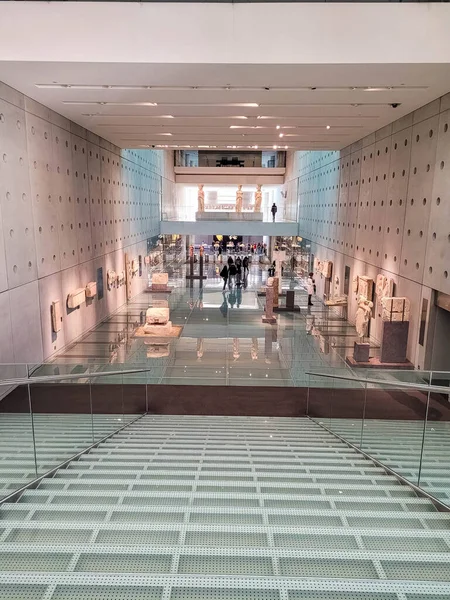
x: 258, y: 248
x: 234, y: 272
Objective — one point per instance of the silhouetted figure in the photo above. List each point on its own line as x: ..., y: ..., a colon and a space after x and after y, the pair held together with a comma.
x: 274, y: 210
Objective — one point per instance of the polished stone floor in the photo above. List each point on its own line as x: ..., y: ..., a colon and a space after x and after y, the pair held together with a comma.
x: 223, y: 340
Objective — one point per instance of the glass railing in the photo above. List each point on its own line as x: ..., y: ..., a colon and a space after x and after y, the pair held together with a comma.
x: 47, y: 420
x: 401, y: 420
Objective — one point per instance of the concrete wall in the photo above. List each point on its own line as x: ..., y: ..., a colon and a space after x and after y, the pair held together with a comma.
x: 383, y: 206
x: 70, y: 203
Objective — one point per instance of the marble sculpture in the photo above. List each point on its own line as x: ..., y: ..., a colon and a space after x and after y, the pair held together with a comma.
x: 363, y: 316
x: 239, y: 199
x: 258, y: 198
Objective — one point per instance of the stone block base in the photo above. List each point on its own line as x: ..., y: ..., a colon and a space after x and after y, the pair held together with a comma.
x: 158, y: 289
x: 270, y: 320
x: 361, y: 352
x: 154, y: 329
x: 375, y: 363
x: 394, y: 341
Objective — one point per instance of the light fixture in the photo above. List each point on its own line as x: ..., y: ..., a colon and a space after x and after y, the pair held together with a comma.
x: 285, y: 147
x: 274, y: 147
x: 281, y: 135
x: 328, y: 127
x: 278, y: 126
x: 255, y: 147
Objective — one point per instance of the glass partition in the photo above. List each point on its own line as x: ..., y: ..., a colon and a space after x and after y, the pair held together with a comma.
x: 230, y: 157
x: 405, y: 425
x: 47, y: 420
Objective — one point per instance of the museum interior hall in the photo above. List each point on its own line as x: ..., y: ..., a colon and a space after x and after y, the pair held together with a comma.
x: 225, y: 300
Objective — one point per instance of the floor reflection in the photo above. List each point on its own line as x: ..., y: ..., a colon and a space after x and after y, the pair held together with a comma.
x: 223, y: 340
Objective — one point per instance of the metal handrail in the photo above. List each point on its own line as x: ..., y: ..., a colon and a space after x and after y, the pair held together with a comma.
x: 401, y: 384
x: 46, y: 378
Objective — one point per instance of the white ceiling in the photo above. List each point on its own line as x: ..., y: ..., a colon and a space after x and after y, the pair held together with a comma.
x: 190, y: 105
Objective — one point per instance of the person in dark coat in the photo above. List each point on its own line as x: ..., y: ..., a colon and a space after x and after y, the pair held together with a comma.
x: 274, y: 210
x: 224, y: 275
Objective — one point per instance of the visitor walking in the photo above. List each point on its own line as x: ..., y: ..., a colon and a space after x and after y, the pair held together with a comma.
x: 232, y: 271
x: 274, y: 210
x: 245, y: 265
x: 224, y: 274
x: 238, y: 272
x: 230, y: 261
x: 310, y: 288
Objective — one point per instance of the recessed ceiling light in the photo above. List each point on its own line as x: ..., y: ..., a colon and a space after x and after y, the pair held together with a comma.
x: 255, y: 147
x: 328, y: 126
x: 281, y: 135
x: 285, y: 147
x: 274, y: 147
x: 278, y: 126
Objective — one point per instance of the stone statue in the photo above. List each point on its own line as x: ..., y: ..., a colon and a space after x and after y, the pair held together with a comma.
x: 363, y: 316
x: 239, y: 199
x: 236, y: 352
x: 258, y: 198
x: 254, y: 349
x: 201, y: 198
x: 200, y: 348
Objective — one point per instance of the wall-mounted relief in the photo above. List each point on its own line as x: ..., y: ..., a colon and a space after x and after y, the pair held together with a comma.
x: 91, y: 289
x: 111, y: 279
x: 327, y: 268
x: 384, y: 288
x: 56, y: 316
x: 365, y: 287
x: 76, y: 298
x: 128, y: 276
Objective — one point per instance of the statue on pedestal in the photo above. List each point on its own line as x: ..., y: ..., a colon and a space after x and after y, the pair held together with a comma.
x: 239, y: 199
x: 258, y: 198
x: 201, y: 198
x: 363, y: 316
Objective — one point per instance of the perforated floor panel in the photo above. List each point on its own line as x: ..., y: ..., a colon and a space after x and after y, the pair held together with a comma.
x: 223, y: 508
